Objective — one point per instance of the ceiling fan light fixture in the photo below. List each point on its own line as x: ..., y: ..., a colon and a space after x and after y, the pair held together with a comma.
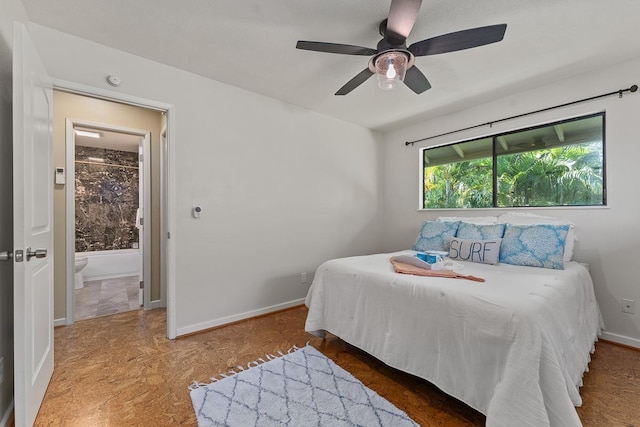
x: 392, y: 58
x: 390, y: 69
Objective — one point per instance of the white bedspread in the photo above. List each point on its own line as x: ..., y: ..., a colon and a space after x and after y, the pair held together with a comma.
x: 514, y: 347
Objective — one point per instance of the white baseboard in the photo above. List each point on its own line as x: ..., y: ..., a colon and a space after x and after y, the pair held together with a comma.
x: 229, y: 319
x: 620, y: 339
x: 8, y: 415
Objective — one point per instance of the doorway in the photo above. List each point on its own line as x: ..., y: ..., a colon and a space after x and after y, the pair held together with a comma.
x: 109, y: 183
x: 112, y: 246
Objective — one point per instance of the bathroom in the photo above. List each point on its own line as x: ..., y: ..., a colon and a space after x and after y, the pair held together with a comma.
x: 107, y: 245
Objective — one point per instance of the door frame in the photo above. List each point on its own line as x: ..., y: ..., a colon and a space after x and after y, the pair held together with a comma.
x: 70, y: 125
x: 164, y: 231
x: 167, y: 178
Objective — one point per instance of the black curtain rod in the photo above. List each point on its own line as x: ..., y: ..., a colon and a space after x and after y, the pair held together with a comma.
x: 619, y: 92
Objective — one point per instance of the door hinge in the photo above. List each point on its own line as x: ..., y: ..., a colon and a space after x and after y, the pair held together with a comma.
x: 141, y: 158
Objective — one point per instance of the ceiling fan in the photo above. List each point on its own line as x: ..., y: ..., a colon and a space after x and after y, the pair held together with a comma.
x: 392, y: 61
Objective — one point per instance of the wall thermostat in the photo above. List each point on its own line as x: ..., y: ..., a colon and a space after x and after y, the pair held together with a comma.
x: 196, y: 211
x: 60, y: 179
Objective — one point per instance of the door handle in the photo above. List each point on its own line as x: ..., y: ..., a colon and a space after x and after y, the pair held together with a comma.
x: 38, y: 253
x: 6, y: 255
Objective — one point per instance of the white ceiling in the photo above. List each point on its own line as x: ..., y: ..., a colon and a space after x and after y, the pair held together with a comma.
x: 251, y: 44
x: 109, y: 139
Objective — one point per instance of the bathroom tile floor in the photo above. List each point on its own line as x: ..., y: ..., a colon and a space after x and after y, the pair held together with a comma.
x: 104, y: 297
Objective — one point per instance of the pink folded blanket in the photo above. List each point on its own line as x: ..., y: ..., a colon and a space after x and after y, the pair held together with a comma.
x: 404, y: 268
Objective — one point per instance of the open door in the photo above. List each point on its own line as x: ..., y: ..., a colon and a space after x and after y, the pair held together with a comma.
x: 33, y: 227
x: 144, y: 170
x: 140, y: 221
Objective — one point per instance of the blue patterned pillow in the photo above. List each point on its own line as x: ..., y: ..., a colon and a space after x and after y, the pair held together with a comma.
x: 435, y: 236
x: 539, y: 245
x: 467, y: 230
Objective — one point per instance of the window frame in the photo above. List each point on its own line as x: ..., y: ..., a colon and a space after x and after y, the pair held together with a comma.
x: 494, y: 156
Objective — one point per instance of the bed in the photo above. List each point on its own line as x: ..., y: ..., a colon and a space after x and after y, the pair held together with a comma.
x: 514, y: 347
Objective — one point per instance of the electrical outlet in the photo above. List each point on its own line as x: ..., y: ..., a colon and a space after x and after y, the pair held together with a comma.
x: 303, y: 278
x: 628, y: 306
x: 1, y: 369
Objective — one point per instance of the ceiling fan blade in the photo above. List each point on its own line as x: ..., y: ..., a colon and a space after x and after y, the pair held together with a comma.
x: 345, y: 49
x: 416, y: 81
x: 362, y: 77
x: 402, y: 16
x: 460, y: 40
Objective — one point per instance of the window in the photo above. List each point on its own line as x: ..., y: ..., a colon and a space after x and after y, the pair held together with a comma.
x: 557, y: 164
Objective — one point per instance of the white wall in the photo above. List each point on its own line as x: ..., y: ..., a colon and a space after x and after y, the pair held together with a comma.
x: 609, y: 238
x: 282, y: 189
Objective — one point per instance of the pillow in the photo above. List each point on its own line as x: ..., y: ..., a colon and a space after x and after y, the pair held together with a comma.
x: 483, y: 251
x: 435, y: 236
x: 537, y: 245
x: 530, y: 218
x: 467, y: 230
x: 470, y: 219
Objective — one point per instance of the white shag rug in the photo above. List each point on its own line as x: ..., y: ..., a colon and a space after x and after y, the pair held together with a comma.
x: 301, y: 388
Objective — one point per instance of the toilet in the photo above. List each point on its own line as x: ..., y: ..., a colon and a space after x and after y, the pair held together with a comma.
x: 81, y: 262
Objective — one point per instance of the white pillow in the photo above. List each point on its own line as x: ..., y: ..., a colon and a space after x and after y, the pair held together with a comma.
x: 470, y: 219
x: 526, y: 218
x: 481, y: 251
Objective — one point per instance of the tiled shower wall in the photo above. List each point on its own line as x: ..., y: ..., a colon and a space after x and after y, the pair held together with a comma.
x: 106, y: 199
